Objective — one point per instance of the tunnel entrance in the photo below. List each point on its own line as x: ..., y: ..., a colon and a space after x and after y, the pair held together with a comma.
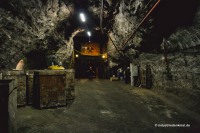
x: 97, y: 64
x: 36, y: 59
x: 90, y: 53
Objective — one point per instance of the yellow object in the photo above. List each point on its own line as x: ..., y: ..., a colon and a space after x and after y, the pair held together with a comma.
x: 91, y: 49
x: 56, y: 67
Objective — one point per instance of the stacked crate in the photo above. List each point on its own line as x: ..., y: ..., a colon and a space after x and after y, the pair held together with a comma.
x: 50, y: 88
x: 43, y: 88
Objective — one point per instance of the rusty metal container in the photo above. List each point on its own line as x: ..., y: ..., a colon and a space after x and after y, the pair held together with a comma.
x: 20, y: 82
x: 8, y: 106
x: 50, y: 88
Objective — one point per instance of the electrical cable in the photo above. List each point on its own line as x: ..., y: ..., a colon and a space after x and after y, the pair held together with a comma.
x: 123, y: 45
x: 118, y: 49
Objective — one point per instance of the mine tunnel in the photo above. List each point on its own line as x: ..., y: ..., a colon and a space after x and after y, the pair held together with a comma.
x: 90, y: 52
x: 100, y: 66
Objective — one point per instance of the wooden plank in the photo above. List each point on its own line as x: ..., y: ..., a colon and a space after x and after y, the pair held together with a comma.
x: 29, y: 87
x: 53, y: 88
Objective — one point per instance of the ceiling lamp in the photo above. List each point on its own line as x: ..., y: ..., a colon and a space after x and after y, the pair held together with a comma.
x: 82, y: 16
x: 89, y: 33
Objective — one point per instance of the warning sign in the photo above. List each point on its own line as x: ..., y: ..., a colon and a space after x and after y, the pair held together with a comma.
x: 91, y: 49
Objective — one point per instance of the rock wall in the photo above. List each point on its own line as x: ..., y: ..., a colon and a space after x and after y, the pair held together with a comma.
x: 183, y: 74
x: 183, y: 59
x: 174, y: 60
x: 130, y: 14
x: 36, y: 30
x: 27, y: 26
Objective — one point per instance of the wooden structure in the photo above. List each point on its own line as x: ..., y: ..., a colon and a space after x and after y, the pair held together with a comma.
x: 19, y: 78
x: 43, y: 88
x: 143, y: 78
x: 52, y: 88
x: 8, y: 106
x: 29, y: 86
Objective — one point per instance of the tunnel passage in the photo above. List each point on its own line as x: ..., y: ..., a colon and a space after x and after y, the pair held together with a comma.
x: 90, y: 52
x: 50, y: 25
x: 168, y: 40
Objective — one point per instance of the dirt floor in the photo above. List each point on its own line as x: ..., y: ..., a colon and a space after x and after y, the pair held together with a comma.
x: 102, y: 106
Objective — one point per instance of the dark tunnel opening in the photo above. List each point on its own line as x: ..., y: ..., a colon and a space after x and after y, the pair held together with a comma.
x: 36, y: 59
x: 90, y: 52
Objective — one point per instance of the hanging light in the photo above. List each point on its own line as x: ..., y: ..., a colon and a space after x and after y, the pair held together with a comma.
x: 82, y: 16
x: 89, y: 34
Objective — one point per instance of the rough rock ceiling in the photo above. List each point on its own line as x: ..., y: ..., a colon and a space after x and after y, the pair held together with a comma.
x: 50, y: 25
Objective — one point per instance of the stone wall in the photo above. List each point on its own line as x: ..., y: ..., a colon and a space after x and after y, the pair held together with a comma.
x: 182, y: 53
x: 27, y: 26
x: 130, y: 14
x: 183, y: 75
x: 177, y: 70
